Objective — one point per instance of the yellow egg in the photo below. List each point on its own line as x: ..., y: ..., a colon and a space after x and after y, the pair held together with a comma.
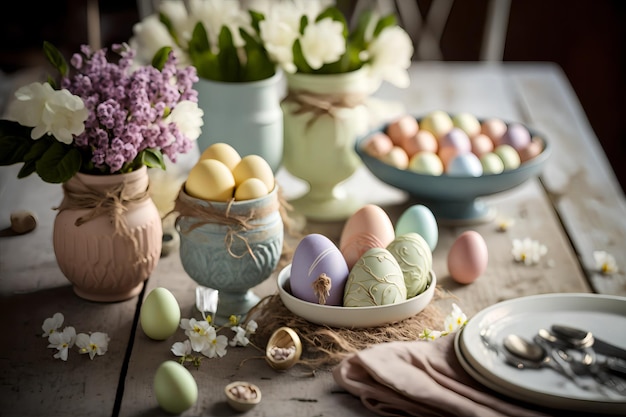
x: 250, y: 189
x: 160, y: 314
x: 224, y: 153
x: 210, y: 180
x: 174, y: 387
x: 254, y: 166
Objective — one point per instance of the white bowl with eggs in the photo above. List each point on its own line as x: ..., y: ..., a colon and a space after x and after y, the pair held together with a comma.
x: 454, y: 198
x: 352, y: 317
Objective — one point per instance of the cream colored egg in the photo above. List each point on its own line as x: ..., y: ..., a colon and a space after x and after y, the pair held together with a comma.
x: 509, y: 156
x: 224, y: 153
x: 174, y: 387
x: 254, y: 166
x: 211, y: 180
x: 468, y: 123
x: 427, y: 163
x: 396, y: 157
x: 437, y: 122
x: 250, y: 189
x: 160, y: 314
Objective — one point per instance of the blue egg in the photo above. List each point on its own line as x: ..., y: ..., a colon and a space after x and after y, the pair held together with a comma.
x: 465, y: 165
x: 419, y: 219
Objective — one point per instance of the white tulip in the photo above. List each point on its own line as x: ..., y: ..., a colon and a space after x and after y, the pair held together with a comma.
x: 323, y: 42
x: 390, y: 56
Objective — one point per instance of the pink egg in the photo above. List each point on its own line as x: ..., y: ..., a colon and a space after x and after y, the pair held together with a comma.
x: 423, y: 141
x: 369, y: 227
x: 533, y: 149
x: 318, y: 271
x: 402, y: 128
x: 517, y: 136
x: 494, y: 129
x: 447, y: 154
x: 377, y: 145
x: 468, y: 257
x: 481, y: 144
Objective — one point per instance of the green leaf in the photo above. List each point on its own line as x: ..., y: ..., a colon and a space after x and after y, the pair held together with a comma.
x: 55, y: 58
x: 199, y: 42
x: 357, y: 38
x: 385, y: 22
x: 228, y: 60
x: 59, y: 163
x: 255, y: 18
x: 167, y: 22
x: 258, y: 66
x: 298, y: 58
x: 15, y: 142
x: 27, y: 169
x: 161, y: 57
x: 38, y: 148
x: 152, y: 158
x: 304, y: 21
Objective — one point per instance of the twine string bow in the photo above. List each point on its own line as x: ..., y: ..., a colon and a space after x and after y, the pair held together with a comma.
x: 112, y: 202
x: 322, y: 104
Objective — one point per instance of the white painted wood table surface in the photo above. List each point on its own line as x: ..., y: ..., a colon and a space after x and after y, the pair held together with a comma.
x: 575, y: 208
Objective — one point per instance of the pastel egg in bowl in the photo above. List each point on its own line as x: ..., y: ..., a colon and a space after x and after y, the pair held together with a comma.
x: 453, y: 198
x: 352, y: 317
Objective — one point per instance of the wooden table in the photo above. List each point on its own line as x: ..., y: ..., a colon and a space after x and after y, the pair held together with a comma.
x: 574, y: 208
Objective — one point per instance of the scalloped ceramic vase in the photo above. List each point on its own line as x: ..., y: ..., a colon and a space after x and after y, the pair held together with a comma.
x: 103, y: 265
x: 206, y: 258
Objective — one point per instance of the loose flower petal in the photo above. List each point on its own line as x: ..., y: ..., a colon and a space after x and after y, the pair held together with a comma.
x: 52, y: 324
x: 605, y: 263
x: 528, y: 251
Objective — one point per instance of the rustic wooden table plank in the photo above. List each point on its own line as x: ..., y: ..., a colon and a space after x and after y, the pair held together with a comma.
x: 587, y: 214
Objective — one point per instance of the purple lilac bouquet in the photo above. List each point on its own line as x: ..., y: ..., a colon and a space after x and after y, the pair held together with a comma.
x: 106, y: 118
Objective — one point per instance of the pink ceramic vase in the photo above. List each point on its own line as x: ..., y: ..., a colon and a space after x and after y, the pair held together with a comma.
x: 107, y: 235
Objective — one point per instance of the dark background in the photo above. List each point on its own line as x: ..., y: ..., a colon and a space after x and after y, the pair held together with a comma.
x: 586, y: 38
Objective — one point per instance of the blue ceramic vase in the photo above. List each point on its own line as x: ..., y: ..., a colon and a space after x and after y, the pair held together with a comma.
x: 231, y: 249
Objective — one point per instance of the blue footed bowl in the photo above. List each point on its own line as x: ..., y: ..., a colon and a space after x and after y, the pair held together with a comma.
x: 231, y: 259
x: 453, y: 199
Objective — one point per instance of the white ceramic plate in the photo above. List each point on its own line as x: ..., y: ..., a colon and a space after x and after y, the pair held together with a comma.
x: 352, y: 317
x: 605, y: 316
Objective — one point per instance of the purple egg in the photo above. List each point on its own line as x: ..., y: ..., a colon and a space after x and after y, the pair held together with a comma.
x: 456, y: 138
x: 318, y: 271
x: 517, y: 136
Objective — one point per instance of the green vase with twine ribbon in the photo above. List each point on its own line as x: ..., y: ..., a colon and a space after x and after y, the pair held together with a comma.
x: 107, y: 235
x: 323, y: 114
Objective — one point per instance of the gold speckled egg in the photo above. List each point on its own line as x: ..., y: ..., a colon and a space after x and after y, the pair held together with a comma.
x: 376, y: 279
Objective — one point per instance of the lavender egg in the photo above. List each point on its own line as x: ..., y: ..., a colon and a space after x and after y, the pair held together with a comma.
x: 319, y: 271
x: 517, y: 136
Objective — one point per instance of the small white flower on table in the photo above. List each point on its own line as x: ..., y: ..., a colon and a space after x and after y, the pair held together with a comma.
x: 528, y: 251
x: 605, y: 262
x: 96, y: 343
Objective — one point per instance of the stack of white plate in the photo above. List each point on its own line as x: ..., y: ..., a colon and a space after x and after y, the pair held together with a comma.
x: 605, y: 316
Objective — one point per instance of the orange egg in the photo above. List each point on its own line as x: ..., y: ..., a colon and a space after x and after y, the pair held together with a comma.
x: 468, y: 257
x: 369, y: 227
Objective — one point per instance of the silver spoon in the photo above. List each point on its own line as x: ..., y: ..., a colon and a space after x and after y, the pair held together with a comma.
x: 522, y: 354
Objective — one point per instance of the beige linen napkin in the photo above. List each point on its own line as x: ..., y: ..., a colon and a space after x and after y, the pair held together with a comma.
x: 420, y: 378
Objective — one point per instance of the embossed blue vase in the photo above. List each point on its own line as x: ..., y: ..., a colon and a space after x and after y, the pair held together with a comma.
x: 231, y: 248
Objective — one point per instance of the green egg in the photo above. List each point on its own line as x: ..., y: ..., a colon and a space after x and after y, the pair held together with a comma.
x: 160, y: 314
x: 509, y: 156
x: 175, y: 388
x: 375, y: 280
x: 492, y: 163
x: 415, y: 259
